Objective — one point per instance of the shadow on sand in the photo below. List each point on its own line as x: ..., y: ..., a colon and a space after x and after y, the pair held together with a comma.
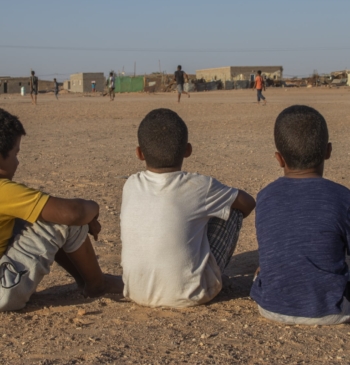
x: 240, y: 272
x: 62, y: 296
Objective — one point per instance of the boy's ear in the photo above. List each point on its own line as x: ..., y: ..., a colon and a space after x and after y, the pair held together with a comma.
x: 188, y: 151
x: 139, y: 154
x: 328, y: 151
x: 280, y: 159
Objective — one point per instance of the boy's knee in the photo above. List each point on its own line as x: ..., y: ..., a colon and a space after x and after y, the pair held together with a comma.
x: 47, y: 238
x: 76, y: 237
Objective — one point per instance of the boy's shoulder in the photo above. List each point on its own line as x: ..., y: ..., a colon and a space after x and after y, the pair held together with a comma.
x: 148, y: 175
x: 193, y: 179
x: 12, y: 187
x: 6, y: 184
x: 288, y: 185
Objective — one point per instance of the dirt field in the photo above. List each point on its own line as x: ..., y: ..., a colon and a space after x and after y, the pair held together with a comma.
x: 85, y: 147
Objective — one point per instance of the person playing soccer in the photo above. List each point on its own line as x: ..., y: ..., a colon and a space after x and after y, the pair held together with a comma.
x: 179, y: 77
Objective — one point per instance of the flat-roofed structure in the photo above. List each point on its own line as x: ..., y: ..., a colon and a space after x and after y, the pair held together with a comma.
x: 238, y: 73
x: 13, y: 85
x: 83, y: 82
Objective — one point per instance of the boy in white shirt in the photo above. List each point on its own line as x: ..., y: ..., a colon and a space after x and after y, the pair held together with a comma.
x: 178, y: 229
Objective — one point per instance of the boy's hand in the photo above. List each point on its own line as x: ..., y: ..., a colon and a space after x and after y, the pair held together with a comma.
x: 94, y: 228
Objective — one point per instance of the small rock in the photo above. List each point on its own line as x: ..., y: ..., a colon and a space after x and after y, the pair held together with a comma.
x: 81, y: 312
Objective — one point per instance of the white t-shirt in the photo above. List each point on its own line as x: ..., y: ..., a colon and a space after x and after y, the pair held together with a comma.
x: 111, y: 81
x: 166, y: 256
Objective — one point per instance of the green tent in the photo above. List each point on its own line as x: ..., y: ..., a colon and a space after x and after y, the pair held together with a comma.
x: 127, y: 84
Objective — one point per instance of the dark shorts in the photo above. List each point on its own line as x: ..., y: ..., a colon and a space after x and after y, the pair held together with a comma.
x: 34, y: 91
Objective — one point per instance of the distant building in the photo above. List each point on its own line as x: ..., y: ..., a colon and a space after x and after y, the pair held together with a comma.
x: 239, y: 73
x: 13, y: 85
x: 83, y: 82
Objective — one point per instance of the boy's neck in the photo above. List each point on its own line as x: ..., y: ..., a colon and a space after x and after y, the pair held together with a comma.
x: 304, y: 174
x: 163, y: 170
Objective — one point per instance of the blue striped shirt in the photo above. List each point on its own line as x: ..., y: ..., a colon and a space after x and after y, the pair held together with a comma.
x: 303, y: 232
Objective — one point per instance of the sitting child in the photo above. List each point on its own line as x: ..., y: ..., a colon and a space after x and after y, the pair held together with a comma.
x: 37, y: 229
x: 178, y: 229
x: 303, y: 228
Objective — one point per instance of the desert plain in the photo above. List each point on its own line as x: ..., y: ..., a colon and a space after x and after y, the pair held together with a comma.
x: 84, y: 146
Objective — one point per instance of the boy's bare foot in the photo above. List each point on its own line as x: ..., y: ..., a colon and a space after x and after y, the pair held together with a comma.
x: 189, y: 95
x: 112, y: 284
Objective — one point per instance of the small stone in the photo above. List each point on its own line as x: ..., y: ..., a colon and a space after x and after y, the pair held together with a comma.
x: 81, y: 312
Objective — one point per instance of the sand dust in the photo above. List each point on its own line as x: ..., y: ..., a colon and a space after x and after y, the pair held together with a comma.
x: 85, y: 147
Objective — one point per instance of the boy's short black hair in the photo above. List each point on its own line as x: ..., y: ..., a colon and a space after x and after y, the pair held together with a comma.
x: 301, y: 136
x: 179, y: 67
x: 33, y: 72
x: 163, y: 137
x: 259, y: 72
x: 10, y: 129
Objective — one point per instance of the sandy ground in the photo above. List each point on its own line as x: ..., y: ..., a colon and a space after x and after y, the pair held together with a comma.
x: 85, y: 147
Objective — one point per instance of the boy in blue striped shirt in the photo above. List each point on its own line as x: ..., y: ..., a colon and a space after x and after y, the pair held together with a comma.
x: 303, y: 229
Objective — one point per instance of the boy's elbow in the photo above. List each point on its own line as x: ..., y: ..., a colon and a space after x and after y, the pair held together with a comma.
x: 82, y: 212
x: 251, y: 205
x: 76, y: 214
x: 244, y: 203
x: 70, y: 212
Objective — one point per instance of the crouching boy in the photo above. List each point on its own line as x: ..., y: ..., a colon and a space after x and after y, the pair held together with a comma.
x: 37, y: 229
x: 303, y: 229
x: 178, y: 229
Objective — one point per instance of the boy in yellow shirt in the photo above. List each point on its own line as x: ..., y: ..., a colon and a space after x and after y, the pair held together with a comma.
x: 37, y: 229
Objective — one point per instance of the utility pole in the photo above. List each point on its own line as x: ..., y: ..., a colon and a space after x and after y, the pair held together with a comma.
x: 134, y: 68
x: 160, y: 68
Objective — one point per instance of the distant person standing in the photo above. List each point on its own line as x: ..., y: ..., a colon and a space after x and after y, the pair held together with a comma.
x: 111, y: 86
x: 56, y: 88
x: 33, y: 87
x: 179, y: 77
x: 259, y: 85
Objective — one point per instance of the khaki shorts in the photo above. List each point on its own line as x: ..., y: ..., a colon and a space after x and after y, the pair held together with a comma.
x: 29, y: 256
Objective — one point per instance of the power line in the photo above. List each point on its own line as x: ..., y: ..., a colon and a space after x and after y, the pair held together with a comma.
x: 179, y: 50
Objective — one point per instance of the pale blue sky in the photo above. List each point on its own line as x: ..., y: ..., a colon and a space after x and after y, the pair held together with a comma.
x: 300, y: 35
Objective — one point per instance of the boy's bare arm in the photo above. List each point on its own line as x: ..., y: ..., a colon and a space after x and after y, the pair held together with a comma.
x: 71, y: 212
x: 244, y: 202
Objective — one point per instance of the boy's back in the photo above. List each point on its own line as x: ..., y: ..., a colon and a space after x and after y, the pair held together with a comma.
x: 166, y: 256
x: 302, y: 229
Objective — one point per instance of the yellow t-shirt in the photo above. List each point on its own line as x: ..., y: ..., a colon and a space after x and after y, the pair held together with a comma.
x: 17, y: 201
